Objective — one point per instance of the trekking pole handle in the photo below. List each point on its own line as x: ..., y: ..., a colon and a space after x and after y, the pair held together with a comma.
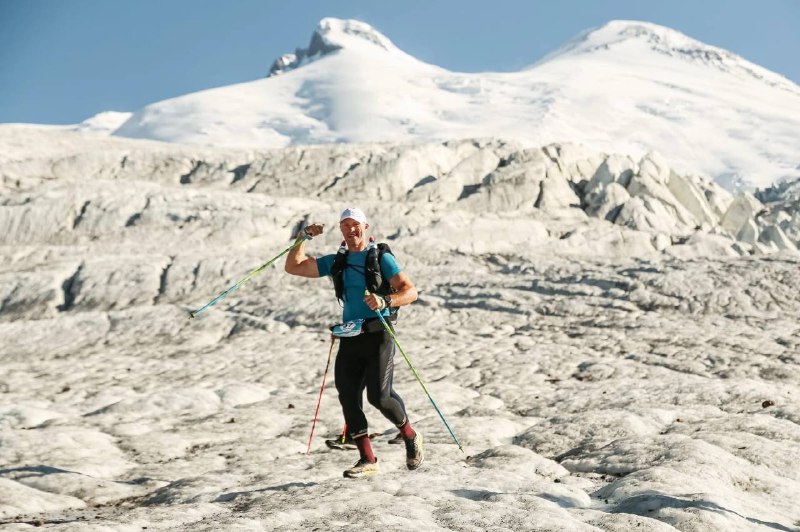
x: 305, y: 230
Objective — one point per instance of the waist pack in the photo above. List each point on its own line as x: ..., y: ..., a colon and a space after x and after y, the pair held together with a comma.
x: 352, y: 328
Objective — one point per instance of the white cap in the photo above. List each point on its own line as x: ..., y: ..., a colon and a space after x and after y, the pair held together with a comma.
x: 355, y: 213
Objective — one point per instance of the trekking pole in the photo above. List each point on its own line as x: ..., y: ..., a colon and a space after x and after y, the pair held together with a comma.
x: 251, y: 274
x: 389, y: 330
x: 321, y: 389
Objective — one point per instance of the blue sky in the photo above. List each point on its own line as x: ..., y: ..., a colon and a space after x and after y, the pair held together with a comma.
x: 62, y: 61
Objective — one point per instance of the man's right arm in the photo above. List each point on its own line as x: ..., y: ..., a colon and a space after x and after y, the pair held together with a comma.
x: 297, y: 262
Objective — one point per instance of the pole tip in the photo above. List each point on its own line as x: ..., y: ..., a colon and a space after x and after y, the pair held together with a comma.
x: 191, y: 315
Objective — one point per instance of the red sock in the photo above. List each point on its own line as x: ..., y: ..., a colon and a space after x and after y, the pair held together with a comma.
x: 406, y: 431
x: 365, y: 448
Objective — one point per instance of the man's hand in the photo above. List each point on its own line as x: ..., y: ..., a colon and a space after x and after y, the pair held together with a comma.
x: 374, y: 302
x: 311, y: 231
x: 297, y: 262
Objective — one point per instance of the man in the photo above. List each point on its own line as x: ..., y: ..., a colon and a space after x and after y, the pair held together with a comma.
x: 367, y: 359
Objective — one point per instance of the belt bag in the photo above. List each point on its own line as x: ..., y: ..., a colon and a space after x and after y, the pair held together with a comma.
x: 357, y: 327
x: 348, y: 329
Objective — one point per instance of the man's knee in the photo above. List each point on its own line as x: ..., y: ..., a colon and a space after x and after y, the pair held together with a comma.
x: 349, y: 401
x: 381, y: 402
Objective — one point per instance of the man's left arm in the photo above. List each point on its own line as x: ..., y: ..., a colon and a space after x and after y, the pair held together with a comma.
x: 405, y: 293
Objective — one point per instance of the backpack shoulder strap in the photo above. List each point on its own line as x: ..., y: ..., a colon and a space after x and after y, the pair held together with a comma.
x: 385, y: 287
x: 373, y: 273
x: 383, y: 247
x: 337, y: 271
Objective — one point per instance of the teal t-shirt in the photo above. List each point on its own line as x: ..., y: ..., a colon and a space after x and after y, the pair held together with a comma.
x: 354, y: 282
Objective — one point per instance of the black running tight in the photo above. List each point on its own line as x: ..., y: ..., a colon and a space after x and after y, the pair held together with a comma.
x: 367, y: 361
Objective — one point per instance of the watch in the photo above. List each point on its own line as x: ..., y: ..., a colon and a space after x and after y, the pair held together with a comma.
x: 388, y: 300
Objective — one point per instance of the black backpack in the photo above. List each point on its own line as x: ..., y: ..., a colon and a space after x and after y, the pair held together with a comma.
x: 375, y: 281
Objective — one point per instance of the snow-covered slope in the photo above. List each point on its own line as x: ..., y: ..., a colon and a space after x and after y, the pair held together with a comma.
x: 105, y: 122
x: 616, y: 344
x: 627, y: 87
x: 614, y: 340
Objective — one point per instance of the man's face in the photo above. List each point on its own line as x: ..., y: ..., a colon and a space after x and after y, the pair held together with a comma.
x: 354, y: 234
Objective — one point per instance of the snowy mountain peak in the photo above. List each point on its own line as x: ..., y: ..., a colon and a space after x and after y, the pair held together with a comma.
x: 620, y: 32
x: 332, y: 35
x: 343, y: 33
x: 635, y: 38
x: 626, y: 87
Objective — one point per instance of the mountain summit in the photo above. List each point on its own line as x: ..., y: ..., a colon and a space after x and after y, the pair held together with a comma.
x: 627, y: 87
x: 331, y: 36
x: 633, y: 38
